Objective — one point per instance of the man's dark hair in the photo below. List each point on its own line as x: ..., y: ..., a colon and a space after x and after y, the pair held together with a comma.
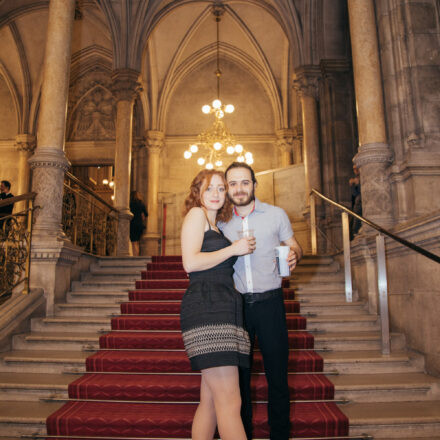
x: 7, y: 184
x: 241, y: 165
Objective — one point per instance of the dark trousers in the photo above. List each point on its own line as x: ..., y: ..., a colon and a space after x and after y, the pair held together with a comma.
x: 266, y: 320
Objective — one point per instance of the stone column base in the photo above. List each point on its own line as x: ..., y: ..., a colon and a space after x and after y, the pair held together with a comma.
x: 51, y: 267
x: 123, y: 243
x: 150, y: 244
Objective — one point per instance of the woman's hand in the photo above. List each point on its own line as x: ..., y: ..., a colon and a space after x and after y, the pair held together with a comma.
x: 244, y: 246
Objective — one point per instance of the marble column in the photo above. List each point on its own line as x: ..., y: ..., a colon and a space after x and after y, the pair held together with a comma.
x: 374, y: 154
x: 125, y: 88
x: 155, y: 140
x: 52, y: 254
x: 49, y: 162
x: 25, y: 144
x: 284, y: 143
x: 306, y: 84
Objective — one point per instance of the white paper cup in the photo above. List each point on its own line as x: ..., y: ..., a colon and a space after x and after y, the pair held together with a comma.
x: 246, y: 233
x: 281, y: 253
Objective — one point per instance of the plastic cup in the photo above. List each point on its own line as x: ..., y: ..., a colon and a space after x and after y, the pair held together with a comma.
x: 246, y: 233
x: 281, y: 253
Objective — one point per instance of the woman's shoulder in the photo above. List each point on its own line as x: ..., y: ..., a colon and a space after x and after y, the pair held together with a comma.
x: 196, y: 212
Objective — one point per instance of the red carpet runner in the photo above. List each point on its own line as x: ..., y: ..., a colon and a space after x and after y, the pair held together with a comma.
x: 139, y: 384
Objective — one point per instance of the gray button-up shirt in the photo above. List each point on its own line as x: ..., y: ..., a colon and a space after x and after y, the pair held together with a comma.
x: 271, y: 226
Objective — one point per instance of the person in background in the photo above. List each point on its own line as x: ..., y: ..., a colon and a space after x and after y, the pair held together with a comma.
x: 5, y: 193
x: 137, y: 223
x: 256, y: 277
x: 356, y: 202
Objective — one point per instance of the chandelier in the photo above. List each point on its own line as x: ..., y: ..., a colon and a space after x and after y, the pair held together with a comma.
x: 216, y: 144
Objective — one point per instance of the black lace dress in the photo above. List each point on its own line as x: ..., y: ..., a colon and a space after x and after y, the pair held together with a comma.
x: 211, y: 315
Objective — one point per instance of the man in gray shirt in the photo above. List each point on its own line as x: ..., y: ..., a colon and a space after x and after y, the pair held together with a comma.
x: 257, y: 279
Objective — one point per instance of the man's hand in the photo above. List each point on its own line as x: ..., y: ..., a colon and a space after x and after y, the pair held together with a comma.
x: 292, y: 259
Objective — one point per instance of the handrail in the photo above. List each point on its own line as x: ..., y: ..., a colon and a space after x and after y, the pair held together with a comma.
x: 10, y: 200
x: 406, y: 243
x: 89, y: 191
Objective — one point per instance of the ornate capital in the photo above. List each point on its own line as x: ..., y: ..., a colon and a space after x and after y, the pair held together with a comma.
x: 125, y: 86
x: 25, y: 142
x: 376, y: 152
x: 306, y: 79
x: 285, y: 139
x: 45, y: 157
x: 155, y: 140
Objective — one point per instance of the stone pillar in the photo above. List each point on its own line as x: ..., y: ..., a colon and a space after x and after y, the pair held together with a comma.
x: 49, y: 162
x: 374, y: 154
x: 306, y: 84
x: 284, y: 143
x: 52, y: 254
x: 125, y: 88
x: 25, y: 144
x: 151, y: 239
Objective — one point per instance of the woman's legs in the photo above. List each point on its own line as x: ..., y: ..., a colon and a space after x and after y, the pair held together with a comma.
x: 224, y: 393
x: 204, y: 422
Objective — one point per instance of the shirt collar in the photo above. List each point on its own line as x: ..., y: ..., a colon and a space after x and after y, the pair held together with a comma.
x: 258, y: 207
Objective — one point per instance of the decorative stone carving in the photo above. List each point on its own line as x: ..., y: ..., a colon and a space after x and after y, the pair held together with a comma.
x: 284, y: 143
x: 125, y: 86
x: 306, y: 80
x: 155, y: 141
x: 25, y: 142
x: 94, y: 118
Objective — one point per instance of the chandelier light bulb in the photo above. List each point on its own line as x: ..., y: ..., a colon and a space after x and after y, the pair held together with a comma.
x: 216, y: 103
x: 187, y: 154
x: 209, y: 166
x: 217, y: 146
x: 240, y: 159
x: 220, y: 114
x: 206, y: 109
x: 200, y: 161
x: 230, y: 149
x: 194, y: 148
x: 239, y: 148
x: 229, y: 108
x: 248, y: 155
x: 249, y: 160
x: 219, y: 163
x: 112, y: 197
x: 105, y: 181
x: 111, y: 184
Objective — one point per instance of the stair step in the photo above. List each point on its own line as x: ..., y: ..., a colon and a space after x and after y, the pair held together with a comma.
x: 43, y: 361
x: 25, y: 418
x: 55, y: 341
x: 100, y: 296
x: 370, y: 361
x: 77, y: 324
x: 386, y: 387
x: 102, y: 286
x: 394, y: 420
x: 33, y: 386
x: 353, y: 322
x: 86, y: 309
x: 130, y: 262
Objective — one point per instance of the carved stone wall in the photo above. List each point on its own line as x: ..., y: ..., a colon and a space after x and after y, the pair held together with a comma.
x: 92, y: 108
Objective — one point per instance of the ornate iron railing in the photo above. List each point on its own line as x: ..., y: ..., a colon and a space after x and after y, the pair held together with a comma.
x: 15, y: 246
x: 88, y: 220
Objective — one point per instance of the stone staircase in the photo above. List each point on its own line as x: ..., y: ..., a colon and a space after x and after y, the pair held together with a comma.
x: 387, y: 396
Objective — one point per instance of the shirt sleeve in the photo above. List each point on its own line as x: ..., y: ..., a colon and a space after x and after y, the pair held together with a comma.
x: 285, y: 227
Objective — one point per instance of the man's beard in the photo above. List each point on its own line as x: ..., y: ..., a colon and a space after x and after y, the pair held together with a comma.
x: 250, y: 198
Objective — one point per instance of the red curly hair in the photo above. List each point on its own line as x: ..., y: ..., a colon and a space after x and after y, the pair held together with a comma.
x: 198, y: 187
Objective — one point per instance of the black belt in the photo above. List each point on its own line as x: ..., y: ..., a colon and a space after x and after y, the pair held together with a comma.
x: 252, y: 297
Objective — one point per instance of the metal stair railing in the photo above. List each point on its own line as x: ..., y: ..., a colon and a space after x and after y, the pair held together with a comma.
x: 381, y: 258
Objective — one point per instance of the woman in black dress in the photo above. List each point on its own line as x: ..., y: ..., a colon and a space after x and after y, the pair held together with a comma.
x: 211, y: 313
x: 137, y: 223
